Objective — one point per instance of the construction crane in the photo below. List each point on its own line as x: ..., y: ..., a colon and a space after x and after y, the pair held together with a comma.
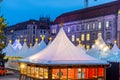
x: 86, y: 3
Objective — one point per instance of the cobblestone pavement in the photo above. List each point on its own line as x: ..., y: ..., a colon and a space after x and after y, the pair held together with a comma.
x: 11, y: 76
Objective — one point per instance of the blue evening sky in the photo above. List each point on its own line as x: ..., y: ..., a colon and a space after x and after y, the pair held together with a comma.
x: 16, y: 11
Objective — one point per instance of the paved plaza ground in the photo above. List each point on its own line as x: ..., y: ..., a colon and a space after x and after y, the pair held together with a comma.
x: 12, y: 75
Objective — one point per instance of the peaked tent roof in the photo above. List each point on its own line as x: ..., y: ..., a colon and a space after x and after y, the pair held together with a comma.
x: 79, y: 47
x: 115, y: 58
x: 62, y: 51
x: 115, y: 49
x: 9, y: 50
x: 16, y: 45
x: 24, y: 51
x: 99, y: 49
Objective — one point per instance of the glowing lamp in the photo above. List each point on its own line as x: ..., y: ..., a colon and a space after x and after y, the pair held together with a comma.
x: 93, y: 46
x: 3, y: 42
x: 118, y: 11
x: 10, y: 41
x: 30, y: 44
x: 36, y: 39
x: 115, y: 41
x: 50, y: 38
x: 42, y: 37
x: 18, y: 40
x: 105, y: 49
x: 25, y: 40
x: 22, y: 66
x: 97, y: 42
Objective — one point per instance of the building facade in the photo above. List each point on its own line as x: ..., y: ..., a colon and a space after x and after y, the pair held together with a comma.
x: 85, y: 24
x: 30, y: 31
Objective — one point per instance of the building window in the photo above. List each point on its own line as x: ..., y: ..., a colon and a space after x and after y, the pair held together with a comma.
x: 93, y: 26
x: 93, y: 36
x: 107, y: 24
x: 68, y: 29
x: 88, y: 26
x: 108, y: 35
x: 73, y: 38
x: 82, y: 27
x: 77, y: 28
x: 53, y: 31
x: 99, y: 25
x: 88, y: 37
x: 82, y: 37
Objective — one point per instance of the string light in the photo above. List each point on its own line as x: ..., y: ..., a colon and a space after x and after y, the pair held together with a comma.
x: 25, y: 40
x: 50, y: 38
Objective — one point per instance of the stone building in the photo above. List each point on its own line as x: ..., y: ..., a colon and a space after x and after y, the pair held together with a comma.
x: 29, y: 30
x: 85, y: 24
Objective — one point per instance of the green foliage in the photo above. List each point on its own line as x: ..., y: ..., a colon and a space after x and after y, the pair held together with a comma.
x: 2, y: 37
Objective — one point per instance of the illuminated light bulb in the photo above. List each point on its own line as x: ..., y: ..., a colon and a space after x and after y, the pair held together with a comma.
x: 18, y: 40
x: 93, y: 46
x: 36, y: 39
x: 118, y: 11
x: 3, y: 42
x: 10, y: 41
x: 105, y: 49
x: 30, y: 44
x: 50, y: 38
x: 42, y: 37
x: 22, y: 66
x: 115, y: 41
x: 97, y: 42
x: 25, y: 40
x: 101, y: 46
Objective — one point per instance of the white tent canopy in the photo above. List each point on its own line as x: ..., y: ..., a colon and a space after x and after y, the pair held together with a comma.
x: 79, y: 47
x: 115, y: 49
x: 36, y: 48
x: 16, y: 45
x: 9, y: 50
x: 99, y: 49
x: 24, y: 51
x: 62, y: 51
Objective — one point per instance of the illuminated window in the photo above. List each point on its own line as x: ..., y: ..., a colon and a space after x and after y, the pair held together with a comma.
x: 88, y: 37
x: 119, y: 12
x: 68, y: 29
x: 73, y: 38
x: 93, y: 26
x: 53, y: 31
x: 108, y: 35
x: 82, y: 37
x: 107, y: 24
x: 82, y: 27
x: 88, y: 27
x: 99, y: 25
